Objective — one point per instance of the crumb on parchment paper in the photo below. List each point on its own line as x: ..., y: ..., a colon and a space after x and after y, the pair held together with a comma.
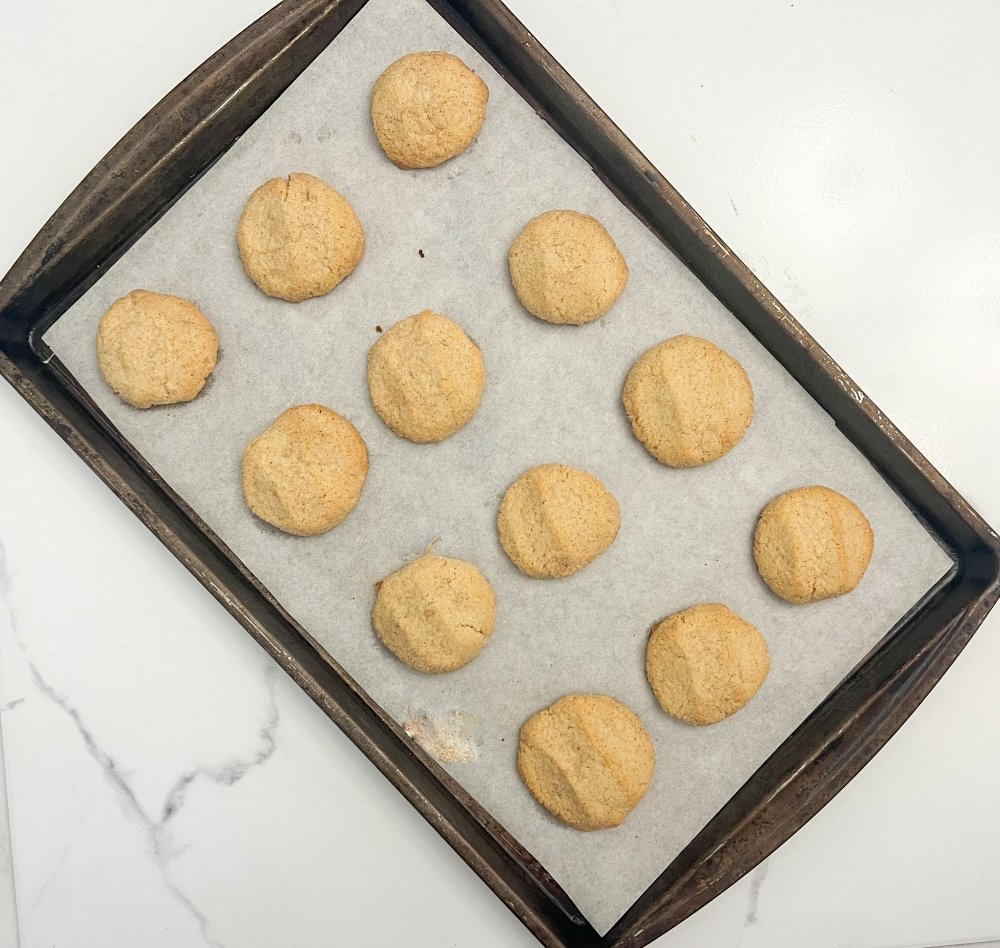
x: 448, y: 736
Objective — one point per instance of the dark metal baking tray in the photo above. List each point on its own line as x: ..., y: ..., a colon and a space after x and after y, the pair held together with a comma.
x: 169, y: 149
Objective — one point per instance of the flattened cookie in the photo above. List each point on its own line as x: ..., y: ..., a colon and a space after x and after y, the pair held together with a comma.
x: 566, y: 268
x: 299, y: 238
x: 705, y: 663
x: 427, y: 108
x: 304, y: 474
x: 154, y: 349
x: 811, y: 544
x: 435, y: 614
x: 426, y: 377
x: 555, y: 519
x: 587, y: 759
x: 689, y: 402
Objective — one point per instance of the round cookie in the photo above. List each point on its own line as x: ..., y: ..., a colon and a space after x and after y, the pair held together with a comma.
x: 154, y: 349
x: 566, y: 268
x: 705, y: 663
x: 587, y: 759
x: 435, y: 614
x: 427, y: 108
x: 298, y: 237
x: 812, y: 543
x: 689, y: 402
x: 304, y: 474
x: 555, y: 519
x: 426, y: 377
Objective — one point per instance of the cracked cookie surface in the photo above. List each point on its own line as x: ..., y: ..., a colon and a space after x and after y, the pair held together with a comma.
x: 426, y: 377
x: 556, y: 519
x: 812, y: 543
x: 298, y: 237
x: 304, y: 474
x: 427, y: 108
x: 705, y: 663
x: 587, y: 759
x: 689, y: 401
x: 155, y: 349
x: 435, y: 614
x: 566, y: 268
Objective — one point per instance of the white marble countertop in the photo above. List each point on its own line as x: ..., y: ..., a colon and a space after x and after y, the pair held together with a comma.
x: 169, y: 786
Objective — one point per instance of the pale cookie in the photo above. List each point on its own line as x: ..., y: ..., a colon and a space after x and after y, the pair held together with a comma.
x: 435, y: 614
x: 566, y: 268
x: 299, y: 238
x: 689, y: 402
x: 587, y: 759
x: 427, y: 108
x: 426, y: 377
x: 304, y: 474
x: 555, y: 519
x: 811, y: 544
x: 705, y: 663
x: 154, y: 349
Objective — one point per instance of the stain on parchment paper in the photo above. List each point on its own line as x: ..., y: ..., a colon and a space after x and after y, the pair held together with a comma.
x: 448, y: 736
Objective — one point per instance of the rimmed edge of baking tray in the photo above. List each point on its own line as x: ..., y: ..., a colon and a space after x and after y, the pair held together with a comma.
x: 175, y: 144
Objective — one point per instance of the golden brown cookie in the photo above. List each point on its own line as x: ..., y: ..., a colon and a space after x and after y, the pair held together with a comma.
x: 299, y: 238
x: 705, y: 663
x: 426, y: 377
x: 812, y: 543
x: 304, y: 474
x: 154, y: 349
x: 555, y: 519
x: 427, y: 108
x: 689, y: 402
x: 587, y: 759
x: 435, y: 614
x: 566, y: 268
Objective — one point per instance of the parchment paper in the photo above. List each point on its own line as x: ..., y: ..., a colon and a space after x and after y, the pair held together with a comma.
x: 553, y: 394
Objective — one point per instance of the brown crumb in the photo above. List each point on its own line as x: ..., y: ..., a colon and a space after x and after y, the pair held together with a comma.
x: 378, y: 329
x: 421, y: 253
x: 378, y: 585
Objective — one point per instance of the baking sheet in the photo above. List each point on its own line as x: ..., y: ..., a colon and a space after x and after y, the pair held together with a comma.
x: 553, y: 394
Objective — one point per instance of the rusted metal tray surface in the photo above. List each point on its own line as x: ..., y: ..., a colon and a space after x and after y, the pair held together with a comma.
x: 177, y: 142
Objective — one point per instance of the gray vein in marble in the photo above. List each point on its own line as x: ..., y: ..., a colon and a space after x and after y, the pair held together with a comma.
x: 156, y: 830
x: 232, y: 771
x: 61, y: 858
x: 106, y: 762
x: 114, y: 776
x: 753, y: 896
x: 8, y: 893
